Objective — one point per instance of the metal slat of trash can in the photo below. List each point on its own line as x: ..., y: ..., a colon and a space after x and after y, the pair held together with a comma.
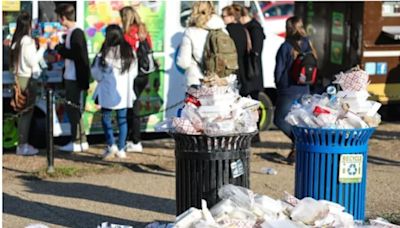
x: 203, y: 166
x: 318, y: 155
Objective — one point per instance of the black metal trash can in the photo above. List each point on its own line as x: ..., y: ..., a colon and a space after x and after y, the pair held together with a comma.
x: 204, y: 164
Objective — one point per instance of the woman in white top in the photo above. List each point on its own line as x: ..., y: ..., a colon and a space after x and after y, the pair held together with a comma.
x: 24, y: 61
x: 115, y: 69
x: 202, y: 19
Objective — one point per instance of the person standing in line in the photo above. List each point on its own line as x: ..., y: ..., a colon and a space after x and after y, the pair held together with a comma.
x: 253, y: 86
x: 76, y: 75
x: 24, y: 62
x: 115, y: 69
x: 237, y: 32
x: 134, y: 32
x: 287, y: 89
x: 202, y: 19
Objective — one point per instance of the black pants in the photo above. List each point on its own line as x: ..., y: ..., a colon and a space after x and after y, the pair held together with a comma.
x: 133, y: 113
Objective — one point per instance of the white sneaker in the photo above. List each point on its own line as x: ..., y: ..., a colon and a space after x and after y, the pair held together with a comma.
x: 132, y: 147
x: 110, y: 152
x: 75, y: 147
x: 121, y: 154
x: 26, y: 150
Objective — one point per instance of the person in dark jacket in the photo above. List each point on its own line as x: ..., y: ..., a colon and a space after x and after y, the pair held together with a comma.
x: 237, y: 33
x: 253, y: 85
x: 287, y: 89
x: 76, y: 75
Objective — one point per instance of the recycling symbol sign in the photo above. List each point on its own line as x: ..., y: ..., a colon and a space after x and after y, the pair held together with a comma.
x: 350, y: 168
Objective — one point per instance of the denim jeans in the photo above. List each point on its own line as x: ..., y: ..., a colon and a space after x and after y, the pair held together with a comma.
x: 283, y: 105
x: 122, y: 126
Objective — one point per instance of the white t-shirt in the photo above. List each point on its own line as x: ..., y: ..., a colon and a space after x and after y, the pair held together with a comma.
x: 70, y: 73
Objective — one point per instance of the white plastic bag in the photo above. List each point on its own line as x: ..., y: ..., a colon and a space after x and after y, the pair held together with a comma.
x: 308, y: 210
x: 241, y: 196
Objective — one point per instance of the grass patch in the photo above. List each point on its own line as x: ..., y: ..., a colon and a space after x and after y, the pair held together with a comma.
x: 75, y: 171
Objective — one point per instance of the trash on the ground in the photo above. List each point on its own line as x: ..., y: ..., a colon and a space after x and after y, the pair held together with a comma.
x: 381, y: 222
x: 269, y: 171
x: 158, y: 225
x: 344, y: 109
x: 36, y: 226
x: 110, y: 225
x: 214, y: 110
x: 242, y: 208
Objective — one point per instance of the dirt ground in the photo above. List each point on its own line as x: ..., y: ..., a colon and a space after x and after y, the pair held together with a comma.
x: 383, y: 183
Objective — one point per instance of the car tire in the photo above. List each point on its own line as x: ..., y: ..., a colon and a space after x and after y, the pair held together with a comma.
x: 266, y: 112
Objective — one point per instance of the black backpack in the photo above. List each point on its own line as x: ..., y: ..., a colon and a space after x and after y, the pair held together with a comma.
x: 304, y: 68
x: 146, y: 62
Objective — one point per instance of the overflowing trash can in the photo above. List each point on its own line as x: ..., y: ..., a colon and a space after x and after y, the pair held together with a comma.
x: 205, y: 163
x: 331, y: 164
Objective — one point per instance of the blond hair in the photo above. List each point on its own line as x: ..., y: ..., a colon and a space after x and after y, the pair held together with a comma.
x: 129, y: 17
x: 201, y: 13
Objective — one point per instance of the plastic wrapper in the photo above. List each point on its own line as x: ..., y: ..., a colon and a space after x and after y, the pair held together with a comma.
x: 242, y: 197
x: 352, y: 80
x: 190, y: 112
x: 222, y: 209
x: 308, y: 210
x: 184, y: 126
x: 111, y: 225
x: 237, y: 223
x: 208, y: 218
x: 245, y: 121
x: 269, y: 206
x: 279, y: 223
x: 373, y: 121
x: 224, y: 127
x: 343, y: 219
x: 189, y: 217
x: 211, y: 113
x: 380, y: 222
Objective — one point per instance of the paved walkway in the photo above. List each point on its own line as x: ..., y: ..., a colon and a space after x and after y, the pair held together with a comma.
x: 144, y: 191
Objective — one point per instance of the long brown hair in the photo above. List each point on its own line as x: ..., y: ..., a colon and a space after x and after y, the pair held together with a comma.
x: 293, y: 34
x: 24, y: 23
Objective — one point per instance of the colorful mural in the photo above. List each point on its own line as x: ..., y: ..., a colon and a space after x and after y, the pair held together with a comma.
x: 99, y: 14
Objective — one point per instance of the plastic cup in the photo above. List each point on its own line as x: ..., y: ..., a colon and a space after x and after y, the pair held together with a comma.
x: 42, y: 40
x: 54, y: 39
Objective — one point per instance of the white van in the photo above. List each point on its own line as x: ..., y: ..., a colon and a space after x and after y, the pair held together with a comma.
x: 166, y: 21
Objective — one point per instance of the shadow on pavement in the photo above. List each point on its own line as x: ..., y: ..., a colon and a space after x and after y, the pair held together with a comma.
x: 386, y: 135
x: 66, y: 217
x: 102, y: 194
x: 274, y: 157
x: 382, y: 161
x: 272, y: 145
x: 136, y: 167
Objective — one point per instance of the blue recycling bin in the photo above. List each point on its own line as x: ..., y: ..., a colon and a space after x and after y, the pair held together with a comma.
x: 331, y: 164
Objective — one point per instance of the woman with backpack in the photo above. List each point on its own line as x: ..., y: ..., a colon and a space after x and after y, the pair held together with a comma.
x: 115, y: 69
x: 288, y: 89
x: 135, y: 32
x: 190, y: 56
x: 24, y: 61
